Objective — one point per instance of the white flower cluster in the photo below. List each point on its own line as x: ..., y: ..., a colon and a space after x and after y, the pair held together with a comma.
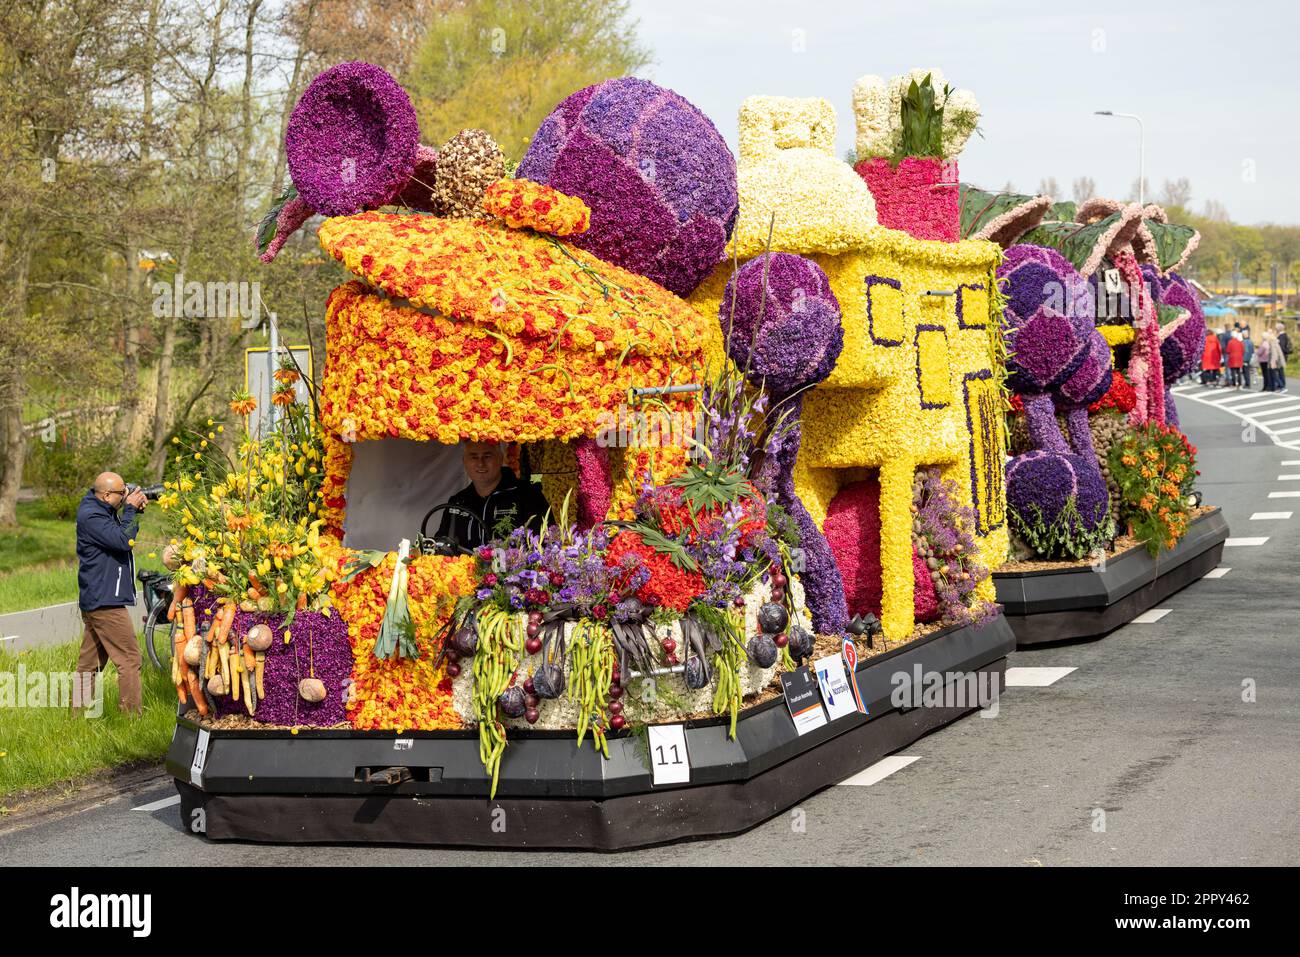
x: 878, y: 109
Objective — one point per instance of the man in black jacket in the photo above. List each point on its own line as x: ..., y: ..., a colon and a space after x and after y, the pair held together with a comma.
x: 106, y: 585
x: 493, y: 494
x: 1284, y: 343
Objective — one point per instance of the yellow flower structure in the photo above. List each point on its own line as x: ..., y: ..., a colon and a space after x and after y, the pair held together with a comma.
x: 918, y: 382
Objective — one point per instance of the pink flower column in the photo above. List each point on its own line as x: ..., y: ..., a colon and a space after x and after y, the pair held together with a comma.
x: 918, y: 196
x: 595, y: 482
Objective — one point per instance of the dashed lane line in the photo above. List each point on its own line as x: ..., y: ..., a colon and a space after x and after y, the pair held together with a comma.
x: 1019, y: 677
x: 880, y: 770
x: 1151, y: 616
x: 1269, y: 516
x: 1218, y: 572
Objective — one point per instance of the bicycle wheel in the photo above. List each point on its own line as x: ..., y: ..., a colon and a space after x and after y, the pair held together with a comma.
x: 159, y: 633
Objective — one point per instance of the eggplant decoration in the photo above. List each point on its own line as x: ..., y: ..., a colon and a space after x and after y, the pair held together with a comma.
x: 700, y: 641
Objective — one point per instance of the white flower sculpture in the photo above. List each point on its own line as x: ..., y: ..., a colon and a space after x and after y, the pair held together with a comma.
x: 878, y: 107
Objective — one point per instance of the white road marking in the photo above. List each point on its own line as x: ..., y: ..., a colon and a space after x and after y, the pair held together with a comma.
x: 880, y: 770
x: 1292, y: 462
x: 1035, y: 677
x: 1218, y: 572
x: 1286, y: 432
x: 1284, y: 494
x: 1289, y: 440
x: 1151, y: 616
x: 159, y: 805
x: 1261, y: 404
x: 1244, y: 542
x: 1289, y: 478
x: 1269, y: 424
x: 1269, y: 516
x: 1236, y: 396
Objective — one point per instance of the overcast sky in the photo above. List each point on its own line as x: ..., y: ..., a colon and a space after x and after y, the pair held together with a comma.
x: 1217, y: 84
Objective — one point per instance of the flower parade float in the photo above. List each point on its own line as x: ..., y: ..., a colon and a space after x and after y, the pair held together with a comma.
x: 1104, y: 515
x: 768, y: 430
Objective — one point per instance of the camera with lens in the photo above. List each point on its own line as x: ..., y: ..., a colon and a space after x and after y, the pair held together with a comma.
x: 151, y: 492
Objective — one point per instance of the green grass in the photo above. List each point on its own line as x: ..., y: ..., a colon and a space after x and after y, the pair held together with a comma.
x: 42, y: 746
x: 38, y: 558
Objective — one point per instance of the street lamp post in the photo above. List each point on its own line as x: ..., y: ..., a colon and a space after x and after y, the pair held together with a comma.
x: 1142, y: 156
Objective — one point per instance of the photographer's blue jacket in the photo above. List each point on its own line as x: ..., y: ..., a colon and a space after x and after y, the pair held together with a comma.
x: 106, y: 572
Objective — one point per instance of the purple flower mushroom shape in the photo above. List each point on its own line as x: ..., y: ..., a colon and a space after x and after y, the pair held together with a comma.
x: 1059, y: 361
x: 794, y: 346
x: 1181, y: 340
x: 659, y: 178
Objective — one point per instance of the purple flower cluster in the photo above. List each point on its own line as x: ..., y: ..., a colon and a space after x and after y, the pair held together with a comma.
x: 351, y: 140
x: 657, y: 175
x: 319, y: 648
x: 1041, y: 484
x: 945, y: 527
x: 800, y: 337
x: 530, y: 571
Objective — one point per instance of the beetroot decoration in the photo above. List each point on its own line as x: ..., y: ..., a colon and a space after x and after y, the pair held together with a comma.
x: 659, y: 178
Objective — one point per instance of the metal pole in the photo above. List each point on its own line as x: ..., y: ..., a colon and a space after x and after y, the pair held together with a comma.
x: 1142, y: 151
x: 270, y: 366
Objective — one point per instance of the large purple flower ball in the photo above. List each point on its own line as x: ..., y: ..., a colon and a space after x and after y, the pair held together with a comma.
x: 801, y: 335
x: 659, y: 179
x: 351, y: 140
x: 1043, y: 483
x: 1050, y: 318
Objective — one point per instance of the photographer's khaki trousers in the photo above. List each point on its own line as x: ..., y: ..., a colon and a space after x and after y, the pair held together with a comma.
x: 110, y: 636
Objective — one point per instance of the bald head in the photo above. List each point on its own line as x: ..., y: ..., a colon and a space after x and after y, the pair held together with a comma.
x: 109, y: 487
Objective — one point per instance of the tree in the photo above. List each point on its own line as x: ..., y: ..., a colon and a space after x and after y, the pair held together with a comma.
x: 1176, y: 193
x: 503, y: 65
x: 1140, y: 188
x: 1084, y: 188
x: 1048, y: 186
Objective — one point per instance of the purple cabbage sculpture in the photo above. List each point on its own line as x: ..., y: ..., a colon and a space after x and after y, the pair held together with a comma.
x: 795, y: 346
x: 659, y: 178
x: 351, y: 140
x: 1058, y: 362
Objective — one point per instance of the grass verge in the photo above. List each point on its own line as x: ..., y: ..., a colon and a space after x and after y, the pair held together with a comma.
x: 43, y: 746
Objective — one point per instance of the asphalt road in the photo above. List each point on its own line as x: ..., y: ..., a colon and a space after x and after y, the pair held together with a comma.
x: 1145, y: 753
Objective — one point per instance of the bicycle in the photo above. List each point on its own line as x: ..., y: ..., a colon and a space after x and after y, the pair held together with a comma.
x: 159, y: 633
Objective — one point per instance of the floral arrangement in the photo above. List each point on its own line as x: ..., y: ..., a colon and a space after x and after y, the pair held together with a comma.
x: 1155, y: 468
x: 867, y: 414
x: 351, y: 139
x: 656, y: 174
x: 944, y: 546
x: 465, y: 326
x: 468, y: 164
x: 522, y: 203
x: 916, y: 114
x: 1058, y: 504
x: 909, y: 134
x: 792, y: 186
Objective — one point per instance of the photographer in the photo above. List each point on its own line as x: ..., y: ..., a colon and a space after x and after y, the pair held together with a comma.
x: 106, y: 584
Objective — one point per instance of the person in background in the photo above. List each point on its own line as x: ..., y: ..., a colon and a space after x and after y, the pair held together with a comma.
x: 1277, y: 359
x: 1263, y: 352
x: 1225, y: 334
x: 1283, y: 347
x: 106, y: 586
x: 1210, y: 359
x: 1247, y: 358
x: 1236, y: 352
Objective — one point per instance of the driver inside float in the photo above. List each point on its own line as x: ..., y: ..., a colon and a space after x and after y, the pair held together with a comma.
x: 494, y: 494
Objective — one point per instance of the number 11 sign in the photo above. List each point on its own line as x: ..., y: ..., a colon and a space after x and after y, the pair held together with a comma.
x: 669, y: 761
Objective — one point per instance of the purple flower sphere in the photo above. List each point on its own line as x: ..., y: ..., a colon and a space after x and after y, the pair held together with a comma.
x: 1044, y: 482
x: 351, y: 141
x: 659, y: 178
x: 1050, y: 318
x: 801, y: 335
x: 1180, y: 350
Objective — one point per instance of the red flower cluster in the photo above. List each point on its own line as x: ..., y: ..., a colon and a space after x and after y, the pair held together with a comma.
x: 675, y: 517
x: 1120, y: 396
x: 668, y: 586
